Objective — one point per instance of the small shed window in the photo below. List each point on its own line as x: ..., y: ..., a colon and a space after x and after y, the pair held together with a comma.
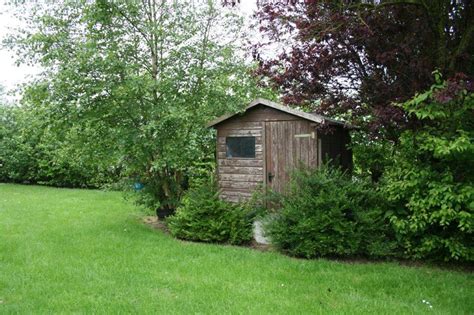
x: 240, y: 147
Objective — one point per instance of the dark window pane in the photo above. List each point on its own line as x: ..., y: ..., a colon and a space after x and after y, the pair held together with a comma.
x: 240, y: 147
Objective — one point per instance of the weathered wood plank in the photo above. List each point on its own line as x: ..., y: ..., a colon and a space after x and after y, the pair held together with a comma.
x: 264, y: 114
x: 291, y: 144
x: 241, y: 177
x: 259, y: 114
x: 241, y: 170
x: 268, y: 153
x: 221, y: 140
x: 236, y: 191
x: 222, y: 155
x: 265, y: 117
x: 237, y: 162
x: 222, y: 148
x: 242, y: 125
x: 234, y: 199
x: 312, y: 150
x: 264, y: 169
x: 239, y: 185
x: 238, y: 132
x: 275, y: 149
x: 235, y: 195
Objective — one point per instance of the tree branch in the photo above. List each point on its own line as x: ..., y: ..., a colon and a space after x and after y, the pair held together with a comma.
x: 135, y: 26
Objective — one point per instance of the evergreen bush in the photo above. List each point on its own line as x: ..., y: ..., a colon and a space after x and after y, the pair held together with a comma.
x: 327, y: 213
x: 202, y: 216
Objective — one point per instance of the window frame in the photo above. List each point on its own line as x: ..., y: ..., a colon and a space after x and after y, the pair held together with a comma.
x: 241, y: 157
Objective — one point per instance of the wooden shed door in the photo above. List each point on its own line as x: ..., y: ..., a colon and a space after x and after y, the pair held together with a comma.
x: 287, y: 143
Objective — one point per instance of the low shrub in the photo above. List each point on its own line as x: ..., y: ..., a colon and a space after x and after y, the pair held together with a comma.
x: 202, y: 216
x: 327, y: 213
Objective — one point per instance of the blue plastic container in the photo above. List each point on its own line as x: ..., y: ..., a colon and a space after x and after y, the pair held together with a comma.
x: 138, y: 186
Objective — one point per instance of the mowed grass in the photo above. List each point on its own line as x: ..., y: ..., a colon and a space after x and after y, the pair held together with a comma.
x: 86, y: 251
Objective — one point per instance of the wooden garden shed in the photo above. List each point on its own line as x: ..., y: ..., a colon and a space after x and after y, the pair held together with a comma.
x: 265, y: 142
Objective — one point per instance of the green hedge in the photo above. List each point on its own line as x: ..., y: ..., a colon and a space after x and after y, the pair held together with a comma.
x: 32, y: 152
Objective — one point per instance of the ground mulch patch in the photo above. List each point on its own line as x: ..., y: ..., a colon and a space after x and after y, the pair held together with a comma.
x: 158, y: 224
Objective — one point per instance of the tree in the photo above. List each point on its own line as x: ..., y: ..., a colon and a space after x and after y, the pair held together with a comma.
x: 143, y: 77
x: 357, y: 58
x: 431, y: 179
x: 2, y: 95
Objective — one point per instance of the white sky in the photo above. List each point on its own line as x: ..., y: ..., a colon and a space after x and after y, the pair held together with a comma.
x: 12, y: 75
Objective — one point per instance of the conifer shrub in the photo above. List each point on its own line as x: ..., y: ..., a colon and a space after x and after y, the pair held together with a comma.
x: 203, y: 216
x: 326, y: 213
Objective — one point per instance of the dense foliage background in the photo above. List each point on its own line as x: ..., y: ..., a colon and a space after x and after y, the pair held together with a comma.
x: 127, y: 88
x: 126, y: 92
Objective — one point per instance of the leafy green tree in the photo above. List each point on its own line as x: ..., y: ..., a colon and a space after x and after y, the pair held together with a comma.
x: 12, y: 165
x: 2, y: 95
x: 431, y: 177
x: 140, y: 79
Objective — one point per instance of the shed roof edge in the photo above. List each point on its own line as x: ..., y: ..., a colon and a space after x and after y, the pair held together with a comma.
x: 261, y: 101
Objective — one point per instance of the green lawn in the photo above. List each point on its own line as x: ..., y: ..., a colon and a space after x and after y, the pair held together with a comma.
x: 86, y: 251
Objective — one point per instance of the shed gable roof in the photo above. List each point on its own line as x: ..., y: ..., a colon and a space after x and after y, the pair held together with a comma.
x: 261, y: 101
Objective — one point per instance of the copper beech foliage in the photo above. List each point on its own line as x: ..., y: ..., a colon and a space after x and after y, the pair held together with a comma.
x: 358, y: 58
